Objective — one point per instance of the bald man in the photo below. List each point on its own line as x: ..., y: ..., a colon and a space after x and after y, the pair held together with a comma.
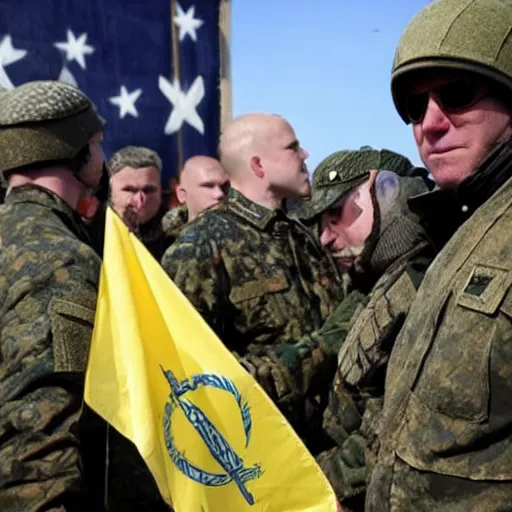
x: 258, y: 278
x: 203, y: 183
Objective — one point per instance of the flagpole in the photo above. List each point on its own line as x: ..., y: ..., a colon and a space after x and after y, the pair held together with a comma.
x: 175, y: 44
x: 226, y: 107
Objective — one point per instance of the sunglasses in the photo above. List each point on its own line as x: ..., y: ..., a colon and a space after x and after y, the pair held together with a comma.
x: 451, y: 97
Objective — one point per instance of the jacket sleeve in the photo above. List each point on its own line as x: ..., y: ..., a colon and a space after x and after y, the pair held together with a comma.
x: 46, y: 328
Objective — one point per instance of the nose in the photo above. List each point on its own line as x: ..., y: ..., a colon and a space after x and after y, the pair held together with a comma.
x: 138, y: 200
x: 435, y: 120
x: 305, y: 154
x: 327, y: 237
x: 218, y: 193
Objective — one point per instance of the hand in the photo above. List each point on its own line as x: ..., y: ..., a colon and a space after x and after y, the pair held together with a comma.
x: 270, y: 374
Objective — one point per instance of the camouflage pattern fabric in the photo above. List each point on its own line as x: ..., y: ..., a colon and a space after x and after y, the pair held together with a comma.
x: 445, y: 435
x: 356, y: 398
x: 173, y: 222
x: 48, y: 284
x: 259, y: 279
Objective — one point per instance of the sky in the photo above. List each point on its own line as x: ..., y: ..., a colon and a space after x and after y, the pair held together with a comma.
x: 324, y: 65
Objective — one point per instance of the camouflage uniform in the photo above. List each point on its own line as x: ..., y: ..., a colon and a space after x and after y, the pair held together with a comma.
x: 173, y: 222
x: 445, y: 436
x: 398, y: 255
x: 259, y: 279
x: 48, y: 282
x: 52, y: 447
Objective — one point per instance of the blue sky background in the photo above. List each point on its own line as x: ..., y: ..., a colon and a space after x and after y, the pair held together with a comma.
x: 325, y: 66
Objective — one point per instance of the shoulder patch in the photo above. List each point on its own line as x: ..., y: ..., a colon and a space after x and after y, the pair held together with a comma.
x: 485, y: 288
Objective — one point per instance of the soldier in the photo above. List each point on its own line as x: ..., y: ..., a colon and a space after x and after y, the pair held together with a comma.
x: 50, y: 141
x: 361, y: 199
x: 446, y: 431
x: 203, y: 183
x: 257, y: 277
x: 136, y: 194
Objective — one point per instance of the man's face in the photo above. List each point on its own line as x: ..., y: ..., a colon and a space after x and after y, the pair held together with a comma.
x: 202, y: 187
x: 347, y: 226
x: 460, y: 125
x: 283, y: 161
x: 138, y: 190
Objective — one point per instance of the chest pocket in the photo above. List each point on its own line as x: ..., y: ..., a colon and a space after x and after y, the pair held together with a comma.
x: 261, y: 302
x: 456, y: 377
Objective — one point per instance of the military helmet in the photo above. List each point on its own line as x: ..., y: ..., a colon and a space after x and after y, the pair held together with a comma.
x: 468, y: 35
x: 44, y: 121
x: 342, y: 171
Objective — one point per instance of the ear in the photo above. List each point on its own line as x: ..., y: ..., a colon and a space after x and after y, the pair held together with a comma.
x: 181, y: 194
x: 257, y: 167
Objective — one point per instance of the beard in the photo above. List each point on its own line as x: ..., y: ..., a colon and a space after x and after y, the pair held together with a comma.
x: 347, y: 257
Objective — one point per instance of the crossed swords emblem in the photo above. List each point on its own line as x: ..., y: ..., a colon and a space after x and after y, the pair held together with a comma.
x: 218, y: 446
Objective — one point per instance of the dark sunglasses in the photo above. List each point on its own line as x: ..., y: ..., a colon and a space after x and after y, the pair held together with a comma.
x: 451, y: 97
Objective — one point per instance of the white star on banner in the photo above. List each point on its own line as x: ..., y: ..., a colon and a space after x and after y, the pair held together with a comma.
x: 76, y: 49
x: 185, y: 104
x: 67, y: 77
x: 187, y: 23
x: 126, y: 102
x: 8, y: 55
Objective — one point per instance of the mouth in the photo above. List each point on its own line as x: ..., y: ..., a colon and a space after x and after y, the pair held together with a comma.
x: 342, y: 256
x: 442, y: 151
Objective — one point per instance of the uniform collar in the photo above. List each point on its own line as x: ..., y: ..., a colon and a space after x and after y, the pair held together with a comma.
x: 257, y: 215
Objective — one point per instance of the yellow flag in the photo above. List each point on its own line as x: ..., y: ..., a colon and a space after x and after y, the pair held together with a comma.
x: 211, y: 437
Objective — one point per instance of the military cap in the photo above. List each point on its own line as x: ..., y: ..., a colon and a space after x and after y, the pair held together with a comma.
x: 44, y: 121
x: 343, y: 171
x: 467, y: 35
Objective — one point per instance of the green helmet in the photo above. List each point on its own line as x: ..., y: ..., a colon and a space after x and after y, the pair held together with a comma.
x: 44, y: 121
x: 469, y: 35
x: 342, y: 171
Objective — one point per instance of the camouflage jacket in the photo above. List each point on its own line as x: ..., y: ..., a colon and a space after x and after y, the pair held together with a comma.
x: 358, y: 389
x: 256, y: 276
x: 173, y: 222
x: 52, y: 447
x: 446, y: 430
x: 48, y: 285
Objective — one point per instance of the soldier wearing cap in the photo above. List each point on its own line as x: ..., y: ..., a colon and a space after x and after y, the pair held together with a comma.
x: 446, y: 429
x: 360, y: 198
x: 50, y: 141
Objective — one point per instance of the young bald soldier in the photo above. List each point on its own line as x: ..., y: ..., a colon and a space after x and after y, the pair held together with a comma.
x: 258, y: 278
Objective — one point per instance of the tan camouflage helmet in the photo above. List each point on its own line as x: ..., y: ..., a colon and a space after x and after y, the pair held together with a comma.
x: 468, y: 35
x: 44, y: 121
x: 342, y: 171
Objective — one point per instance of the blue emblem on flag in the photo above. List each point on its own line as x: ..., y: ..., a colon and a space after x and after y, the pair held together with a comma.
x: 218, y: 446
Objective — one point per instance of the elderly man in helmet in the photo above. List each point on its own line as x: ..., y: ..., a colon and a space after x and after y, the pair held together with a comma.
x: 360, y: 199
x: 446, y: 431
